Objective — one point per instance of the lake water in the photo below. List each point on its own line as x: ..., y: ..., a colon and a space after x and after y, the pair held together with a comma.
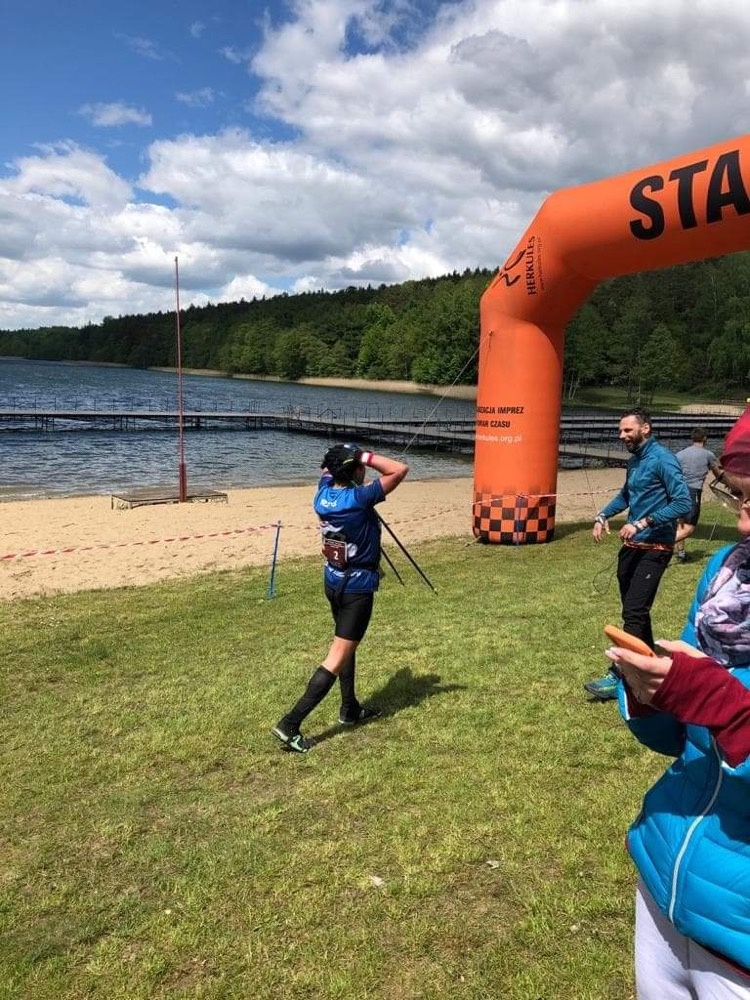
x: 74, y: 461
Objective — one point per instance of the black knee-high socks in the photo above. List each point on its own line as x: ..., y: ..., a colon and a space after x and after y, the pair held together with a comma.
x: 317, y: 688
x: 349, y: 703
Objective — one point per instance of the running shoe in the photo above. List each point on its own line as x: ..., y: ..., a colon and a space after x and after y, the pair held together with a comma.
x: 604, y: 688
x: 295, y: 742
x: 365, y: 715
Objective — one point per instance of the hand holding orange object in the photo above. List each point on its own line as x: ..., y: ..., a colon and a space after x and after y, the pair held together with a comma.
x: 641, y: 669
x: 619, y: 637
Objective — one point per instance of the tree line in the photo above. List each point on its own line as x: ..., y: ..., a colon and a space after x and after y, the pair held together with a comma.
x: 685, y: 327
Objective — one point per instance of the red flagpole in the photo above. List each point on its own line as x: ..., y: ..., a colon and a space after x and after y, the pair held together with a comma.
x: 182, y: 471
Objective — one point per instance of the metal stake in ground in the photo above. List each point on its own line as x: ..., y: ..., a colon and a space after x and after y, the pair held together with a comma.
x: 271, y: 583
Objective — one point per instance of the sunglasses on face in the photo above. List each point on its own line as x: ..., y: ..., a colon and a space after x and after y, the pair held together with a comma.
x: 722, y: 492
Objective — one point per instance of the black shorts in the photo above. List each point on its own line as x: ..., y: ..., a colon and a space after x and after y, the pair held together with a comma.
x: 693, y: 515
x: 351, y: 613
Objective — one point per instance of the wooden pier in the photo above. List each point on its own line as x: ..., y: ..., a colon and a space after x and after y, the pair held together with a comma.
x: 592, y: 438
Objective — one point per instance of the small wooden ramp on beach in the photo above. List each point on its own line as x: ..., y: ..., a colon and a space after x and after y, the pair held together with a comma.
x: 141, y: 498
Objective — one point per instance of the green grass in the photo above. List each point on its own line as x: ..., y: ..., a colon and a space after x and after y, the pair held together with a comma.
x: 157, y: 842
x: 616, y: 398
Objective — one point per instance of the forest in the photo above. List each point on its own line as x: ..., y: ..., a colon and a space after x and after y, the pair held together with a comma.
x: 684, y: 328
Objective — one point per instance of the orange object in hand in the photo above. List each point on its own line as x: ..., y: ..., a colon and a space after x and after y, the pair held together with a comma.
x: 624, y: 640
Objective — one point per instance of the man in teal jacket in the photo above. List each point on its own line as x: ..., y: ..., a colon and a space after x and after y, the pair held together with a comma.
x: 655, y: 494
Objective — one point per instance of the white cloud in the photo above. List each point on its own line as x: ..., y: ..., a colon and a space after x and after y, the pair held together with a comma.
x: 244, y: 286
x: 117, y: 113
x: 145, y: 47
x: 413, y: 148
x: 202, y: 98
x: 550, y: 89
x: 236, y: 56
x: 271, y: 201
x: 66, y: 171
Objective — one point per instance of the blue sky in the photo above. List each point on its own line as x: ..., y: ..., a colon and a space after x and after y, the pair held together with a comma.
x: 325, y: 143
x: 169, y: 68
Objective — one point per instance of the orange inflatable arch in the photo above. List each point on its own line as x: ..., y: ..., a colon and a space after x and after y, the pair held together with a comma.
x: 684, y: 209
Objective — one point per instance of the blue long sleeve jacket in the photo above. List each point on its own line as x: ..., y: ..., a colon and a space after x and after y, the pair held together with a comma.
x: 654, y: 487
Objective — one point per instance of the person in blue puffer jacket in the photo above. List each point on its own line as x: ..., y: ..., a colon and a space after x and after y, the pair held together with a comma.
x: 691, y: 839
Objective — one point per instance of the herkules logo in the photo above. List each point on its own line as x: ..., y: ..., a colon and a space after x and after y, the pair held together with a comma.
x: 527, y: 254
x: 725, y: 188
x: 530, y: 273
x: 509, y: 266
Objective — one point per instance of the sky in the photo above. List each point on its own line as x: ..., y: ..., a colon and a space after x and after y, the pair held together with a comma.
x: 319, y: 144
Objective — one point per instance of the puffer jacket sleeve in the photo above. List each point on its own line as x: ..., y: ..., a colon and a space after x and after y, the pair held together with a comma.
x: 659, y: 731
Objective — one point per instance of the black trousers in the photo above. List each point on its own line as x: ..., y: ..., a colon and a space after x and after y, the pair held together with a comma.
x: 639, y: 572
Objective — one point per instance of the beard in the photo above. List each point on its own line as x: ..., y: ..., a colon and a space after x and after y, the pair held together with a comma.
x: 634, y: 443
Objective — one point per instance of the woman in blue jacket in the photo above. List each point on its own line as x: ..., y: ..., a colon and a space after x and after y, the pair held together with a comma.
x: 691, y: 840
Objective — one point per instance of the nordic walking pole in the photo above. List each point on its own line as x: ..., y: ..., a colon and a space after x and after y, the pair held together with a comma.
x: 408, y: 555
x: 395, y: 572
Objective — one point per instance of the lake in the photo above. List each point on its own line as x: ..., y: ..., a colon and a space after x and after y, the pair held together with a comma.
x: 72, y: 461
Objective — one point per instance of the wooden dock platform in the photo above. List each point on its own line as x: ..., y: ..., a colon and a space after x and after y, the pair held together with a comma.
x: 584, y: 437
x: 126, y: 500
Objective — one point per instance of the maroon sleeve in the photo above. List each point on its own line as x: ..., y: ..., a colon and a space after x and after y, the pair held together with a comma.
x: 701, y: 692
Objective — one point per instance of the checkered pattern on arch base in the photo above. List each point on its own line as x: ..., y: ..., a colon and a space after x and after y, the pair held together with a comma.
x: 514, y: 520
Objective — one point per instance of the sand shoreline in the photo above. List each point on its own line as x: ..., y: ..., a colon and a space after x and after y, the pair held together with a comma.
x: 69, y: 544
x: 372, y: 385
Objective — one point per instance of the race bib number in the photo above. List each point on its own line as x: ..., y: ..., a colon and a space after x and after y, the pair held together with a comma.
x: 334, y: 551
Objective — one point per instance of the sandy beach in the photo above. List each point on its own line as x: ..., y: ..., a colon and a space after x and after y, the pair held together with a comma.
x: 83, y: 543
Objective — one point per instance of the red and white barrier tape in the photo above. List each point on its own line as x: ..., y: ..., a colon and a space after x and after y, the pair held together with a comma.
x: 564, y: 496
x: 69, y: 549
x: 121, y: 545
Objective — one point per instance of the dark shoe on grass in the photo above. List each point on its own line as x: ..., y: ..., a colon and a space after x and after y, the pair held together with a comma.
x: 365, y: 715
x: 295, y: 742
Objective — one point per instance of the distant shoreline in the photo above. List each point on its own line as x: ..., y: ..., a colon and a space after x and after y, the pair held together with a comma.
x: 371, y: 385
x: 367, y: 385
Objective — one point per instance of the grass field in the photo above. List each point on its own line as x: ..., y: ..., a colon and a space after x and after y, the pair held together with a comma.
x: 157, y: 842
x: 616, y: 398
